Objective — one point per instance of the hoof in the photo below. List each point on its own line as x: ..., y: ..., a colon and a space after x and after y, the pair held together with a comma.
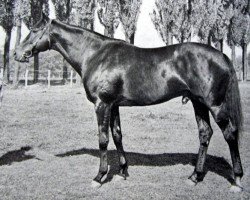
x: 236, y: 189
x: 95, y: 184
x: 118, y: 177
x: 190, y: 182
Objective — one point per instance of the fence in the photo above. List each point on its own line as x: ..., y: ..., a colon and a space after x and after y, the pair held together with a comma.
x: 52, y: 77
x: 48, y: 77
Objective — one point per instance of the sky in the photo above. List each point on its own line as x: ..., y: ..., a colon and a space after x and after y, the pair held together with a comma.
x: 145, y: 36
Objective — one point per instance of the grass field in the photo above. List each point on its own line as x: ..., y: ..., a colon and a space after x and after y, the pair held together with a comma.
x: 49, y: 149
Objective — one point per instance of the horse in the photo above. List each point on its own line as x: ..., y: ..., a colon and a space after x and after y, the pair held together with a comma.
x: 115, y: 73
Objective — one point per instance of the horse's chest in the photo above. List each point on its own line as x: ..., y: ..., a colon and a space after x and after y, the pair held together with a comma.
x: 105, y: 85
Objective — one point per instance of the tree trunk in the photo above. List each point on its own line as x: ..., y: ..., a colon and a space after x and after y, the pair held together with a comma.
x: 189, y: 37
x: 209, y: 38
x: 219, y: 45
x: 131, y: 39
x: 182, y: 39
x: 65, y: 71
x: 244, y: 61
x: 170, y: 39
x: 91, y: 26
x: 6, y: 56
x: 36, y: 68
x: 233, y: 57
x: 17, y: 64
x: 209, y: 42
x: 109, y: 32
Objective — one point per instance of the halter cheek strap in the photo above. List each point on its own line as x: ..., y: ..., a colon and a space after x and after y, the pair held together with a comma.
x: 40, y: 37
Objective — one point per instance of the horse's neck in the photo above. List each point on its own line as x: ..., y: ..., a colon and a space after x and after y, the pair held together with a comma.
x: 76, y: 45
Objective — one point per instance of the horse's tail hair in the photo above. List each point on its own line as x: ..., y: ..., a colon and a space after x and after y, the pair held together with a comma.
x: 233, y: 102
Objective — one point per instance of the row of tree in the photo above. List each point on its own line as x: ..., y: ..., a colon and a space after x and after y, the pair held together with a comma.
x: 213, y: 21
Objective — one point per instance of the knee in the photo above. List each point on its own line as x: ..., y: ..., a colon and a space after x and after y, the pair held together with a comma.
x: 103, y: 141
x: 220, y: 115
x: 230, y: 137
x: 230, y: 133
x: 205, y: 135
x: 117, y: 134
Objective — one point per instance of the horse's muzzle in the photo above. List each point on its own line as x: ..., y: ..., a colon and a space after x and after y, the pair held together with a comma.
x: 24, y: 57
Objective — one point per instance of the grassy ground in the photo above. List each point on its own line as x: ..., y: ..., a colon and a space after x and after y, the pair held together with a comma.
x: 49, y: 149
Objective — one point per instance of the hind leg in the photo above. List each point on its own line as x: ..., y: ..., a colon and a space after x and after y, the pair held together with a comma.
x: 205, y: 133
x: 115, y: 127
x: 231, y: 136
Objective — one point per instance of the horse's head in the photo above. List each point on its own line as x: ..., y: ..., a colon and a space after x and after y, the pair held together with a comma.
x: 37, y: 40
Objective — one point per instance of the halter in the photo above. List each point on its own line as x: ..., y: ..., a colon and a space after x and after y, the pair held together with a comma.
x: 39, y: 38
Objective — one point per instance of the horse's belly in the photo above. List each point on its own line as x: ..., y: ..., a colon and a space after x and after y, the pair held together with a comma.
x: 152, y: 92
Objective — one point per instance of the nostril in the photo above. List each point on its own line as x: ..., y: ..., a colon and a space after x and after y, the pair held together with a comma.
x: 14, y: 53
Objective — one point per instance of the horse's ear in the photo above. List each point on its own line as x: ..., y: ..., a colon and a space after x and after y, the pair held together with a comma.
x: 42, y: 22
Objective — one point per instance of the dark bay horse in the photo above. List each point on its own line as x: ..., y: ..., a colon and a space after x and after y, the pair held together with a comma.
x: 115, y: 74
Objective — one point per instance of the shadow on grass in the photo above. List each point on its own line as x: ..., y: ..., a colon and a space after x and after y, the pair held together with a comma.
x: 15, y: 156
x: 214, y: 164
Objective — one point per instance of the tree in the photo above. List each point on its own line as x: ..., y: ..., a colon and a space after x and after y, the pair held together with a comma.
x: 6, y: 21
x: 182, y: 26
x: 220, y: 27
x: 128, y: 13
x: 84, y: 14
x: 190, y: 12
x: 35, y: 9
x: 163, y: 21
x: 206, y: 13
x: 239, y: 30
x: 177, y: 18
x: 20, y: 12
x: 108, y: 16
x: 229, y: 38
x: 63, y: 10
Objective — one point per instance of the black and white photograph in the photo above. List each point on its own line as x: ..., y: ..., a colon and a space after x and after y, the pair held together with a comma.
x: 124, y: 99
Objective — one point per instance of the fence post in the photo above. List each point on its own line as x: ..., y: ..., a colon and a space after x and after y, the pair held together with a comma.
x: 26, y: 77
x: 48, y: 78
x: 71, y: 78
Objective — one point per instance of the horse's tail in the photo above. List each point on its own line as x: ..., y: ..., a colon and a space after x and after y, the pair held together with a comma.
x: 233, y: 102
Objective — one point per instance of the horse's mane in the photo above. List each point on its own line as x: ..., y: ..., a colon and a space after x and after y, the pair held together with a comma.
x: 80, y: 30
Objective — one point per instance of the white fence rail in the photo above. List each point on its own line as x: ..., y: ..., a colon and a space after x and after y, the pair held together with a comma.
x: 48, y: 77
